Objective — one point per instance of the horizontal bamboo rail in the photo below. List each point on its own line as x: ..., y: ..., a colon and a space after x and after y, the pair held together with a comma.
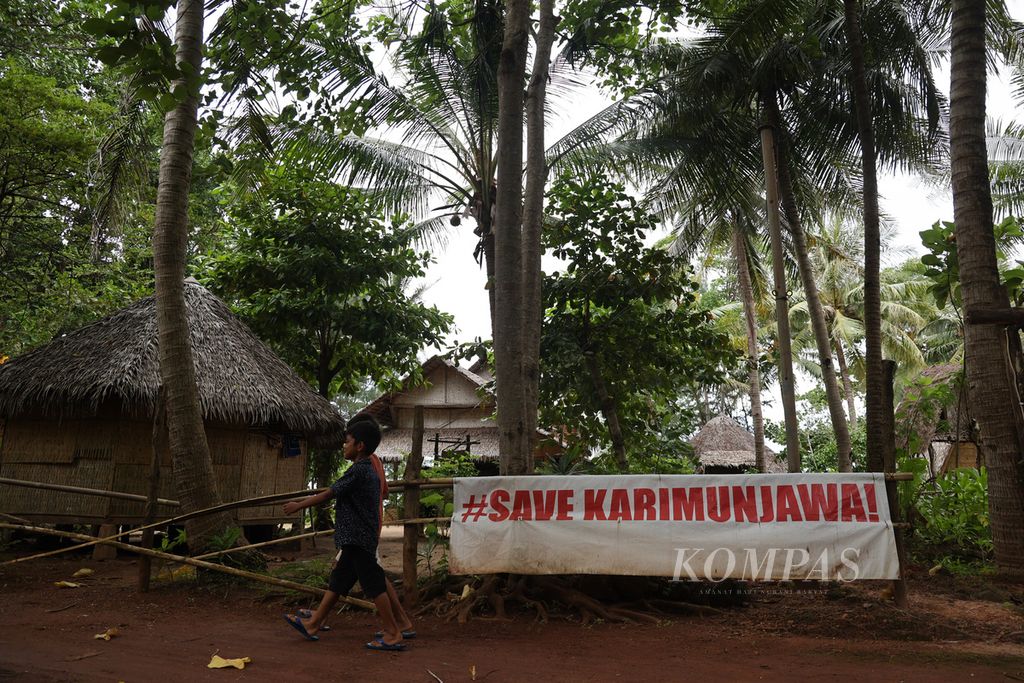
x: 311, y: 534
x: 86, y: 491
x: 397, y: 485
x: 259, y: 500
x: 274, y: 581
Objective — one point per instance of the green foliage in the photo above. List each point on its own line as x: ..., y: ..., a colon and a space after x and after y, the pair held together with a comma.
x: 53, y: 278
x: 323, y: 279
x: 955, y: 513
x: 168, y: 544
x: 629, y: 310
x: 818, y: 450
x: 943, y: 262
x: 452, y: 464
x: 922, y: 404
x: 566, y: 464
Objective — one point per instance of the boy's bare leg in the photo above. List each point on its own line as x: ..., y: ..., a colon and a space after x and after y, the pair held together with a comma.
x: 402, y: 619
x: 314, y: 623
x: 392, y: 634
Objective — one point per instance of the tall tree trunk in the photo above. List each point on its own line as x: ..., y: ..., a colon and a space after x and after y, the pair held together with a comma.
x: 323, y: 461
x: 990, y: 379
x: 533, y: 218
x: 844, y: 373
x: 781, y: 300
x: 190, y: 454
x: 508, y: 258
x: 739, y: 251
x: 807, y: 276
x: 609, y: 410
x: 880, y: 427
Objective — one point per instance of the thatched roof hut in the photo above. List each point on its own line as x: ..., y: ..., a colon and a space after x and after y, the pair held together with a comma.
x: 79, y: 411
x: 240, y: 379
x: 723, y: 446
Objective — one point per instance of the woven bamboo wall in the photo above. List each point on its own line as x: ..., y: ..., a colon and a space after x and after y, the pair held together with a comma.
x: 115, y: 456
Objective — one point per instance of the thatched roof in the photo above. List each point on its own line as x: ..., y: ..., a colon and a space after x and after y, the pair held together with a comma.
x: 723, y: 442
x: 931, y: 420
x: 381, y: 407
x: 395, y: 444
x: 241, y: 381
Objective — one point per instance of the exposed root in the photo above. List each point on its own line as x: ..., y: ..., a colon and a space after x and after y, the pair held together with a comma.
x: 632, y: 600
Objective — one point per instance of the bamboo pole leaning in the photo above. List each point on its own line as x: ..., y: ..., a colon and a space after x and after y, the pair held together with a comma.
x: 271, y: 498
x: 211, y: 566
x: 284, y: 539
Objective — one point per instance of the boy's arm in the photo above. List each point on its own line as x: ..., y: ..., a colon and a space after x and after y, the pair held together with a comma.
x: 293, y: 506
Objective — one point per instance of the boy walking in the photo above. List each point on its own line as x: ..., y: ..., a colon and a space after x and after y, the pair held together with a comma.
x: 357, y: 523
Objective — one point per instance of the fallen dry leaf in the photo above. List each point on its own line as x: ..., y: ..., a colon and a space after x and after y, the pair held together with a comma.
x: 106, y: 635
x: 66, y: 584
x: 84, y: 571
x: 218, y: 662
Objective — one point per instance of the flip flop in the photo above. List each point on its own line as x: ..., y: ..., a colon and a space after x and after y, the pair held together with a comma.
x: 381, y: 646
x: 298, y: 626
x: 407, y: 635
x: 308, y: 614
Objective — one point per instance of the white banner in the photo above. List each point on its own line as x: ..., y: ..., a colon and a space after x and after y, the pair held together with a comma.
x: 690, y: 527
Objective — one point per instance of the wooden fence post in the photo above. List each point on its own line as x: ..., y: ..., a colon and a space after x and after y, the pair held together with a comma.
x: 411, y: 534
x: 899, y: 587
x: 159, y: 448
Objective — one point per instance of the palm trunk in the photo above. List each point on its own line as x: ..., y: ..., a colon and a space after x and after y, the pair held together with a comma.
x: 814, y: 309
x: 844, y: 372
x: 739, y: 251
x: 508, y: 258
x: 190, y: 454
x: 994, y: 401
x: 781, y: 301
x: 533, y: 217
x: 880, y: 426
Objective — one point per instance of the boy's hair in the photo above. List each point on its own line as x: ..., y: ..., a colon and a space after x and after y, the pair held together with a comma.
x: 364, y: 429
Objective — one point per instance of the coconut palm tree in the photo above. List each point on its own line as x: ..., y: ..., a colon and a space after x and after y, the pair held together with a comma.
x: 988, y: 366
x: 190, y: 454
x: 438, y: 114
x: 753, y: 70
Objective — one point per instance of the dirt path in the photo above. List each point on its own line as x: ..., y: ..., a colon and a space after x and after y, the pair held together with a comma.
x: 171, y: 633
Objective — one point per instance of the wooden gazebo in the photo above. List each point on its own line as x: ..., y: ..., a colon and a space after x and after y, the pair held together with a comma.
x: 79, y: 411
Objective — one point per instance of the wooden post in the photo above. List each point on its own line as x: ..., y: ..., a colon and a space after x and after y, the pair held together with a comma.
x: 105, y: 552
x: 899, y: 588
x: 159, y: 448
x: 411, y: 535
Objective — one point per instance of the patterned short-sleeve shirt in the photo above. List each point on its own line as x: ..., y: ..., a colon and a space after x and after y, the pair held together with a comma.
x: 356, y: 507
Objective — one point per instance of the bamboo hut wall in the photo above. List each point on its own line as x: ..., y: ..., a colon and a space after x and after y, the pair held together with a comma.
x: 18, y: 500
x: 114, y: 455
x: 39, y: 441
x: 259, y: 467
x: 227, y: 446
x: 134, y: 444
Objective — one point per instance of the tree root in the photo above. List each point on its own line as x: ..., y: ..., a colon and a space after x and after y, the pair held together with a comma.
x: 491, y: 596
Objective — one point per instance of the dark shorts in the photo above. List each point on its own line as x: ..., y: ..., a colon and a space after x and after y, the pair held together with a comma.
x: 357, y: 564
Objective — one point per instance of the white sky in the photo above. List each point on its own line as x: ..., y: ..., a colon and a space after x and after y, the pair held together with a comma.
x: 458, y: 284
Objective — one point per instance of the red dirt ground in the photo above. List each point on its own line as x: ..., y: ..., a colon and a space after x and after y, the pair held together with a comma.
x: 952, y: 631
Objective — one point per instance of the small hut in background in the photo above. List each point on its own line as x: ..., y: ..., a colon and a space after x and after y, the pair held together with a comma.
x: 79, y: 411
x: 456, y: 416
x: 936, y: 423
x: 723, y: 446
